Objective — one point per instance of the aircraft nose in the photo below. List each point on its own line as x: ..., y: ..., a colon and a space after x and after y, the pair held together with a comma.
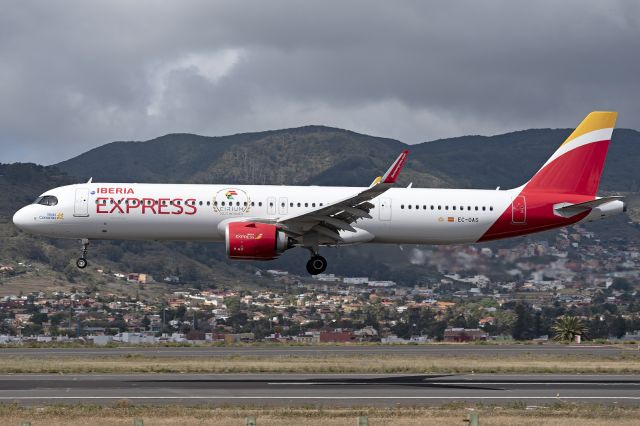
x: 21, y: 219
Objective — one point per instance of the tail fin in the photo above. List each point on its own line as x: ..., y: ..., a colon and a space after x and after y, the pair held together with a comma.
x: 576, y: 167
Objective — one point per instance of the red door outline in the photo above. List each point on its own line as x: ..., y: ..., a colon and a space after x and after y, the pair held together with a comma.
x: 519, y: 210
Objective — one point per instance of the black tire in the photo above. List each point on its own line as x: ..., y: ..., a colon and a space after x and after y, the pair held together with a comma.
x: 316, y: 265
x: 81, y: 263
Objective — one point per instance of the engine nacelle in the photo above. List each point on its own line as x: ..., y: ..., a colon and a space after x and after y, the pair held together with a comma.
x: 254, y: 241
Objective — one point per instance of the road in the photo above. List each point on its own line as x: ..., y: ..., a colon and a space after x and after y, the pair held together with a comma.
x: 319, y: 390
x: 411, y: 350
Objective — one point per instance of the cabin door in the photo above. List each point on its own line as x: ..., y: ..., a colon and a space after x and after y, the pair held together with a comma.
x: 81, y: 206
x: 519, y: 210
x: 385, y: 209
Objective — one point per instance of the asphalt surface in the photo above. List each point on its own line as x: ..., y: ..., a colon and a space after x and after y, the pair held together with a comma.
x: 413, y: 350
x: 319, y: 390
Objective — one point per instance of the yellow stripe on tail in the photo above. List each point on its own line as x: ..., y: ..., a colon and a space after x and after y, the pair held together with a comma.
x: 594, y: 121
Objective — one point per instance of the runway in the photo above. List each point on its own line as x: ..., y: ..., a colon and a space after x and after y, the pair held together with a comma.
x: 319, y: 390
x: 314, y: 350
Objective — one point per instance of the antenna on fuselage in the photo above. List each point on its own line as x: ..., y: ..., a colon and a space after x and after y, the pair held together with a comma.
x: 90, y: 179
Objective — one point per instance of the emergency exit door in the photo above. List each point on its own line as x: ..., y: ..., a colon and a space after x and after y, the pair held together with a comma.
x: 271, y: 206
x: 385, y: 208
x: 81, y: 205
x: 282, y: 205
x: 519, y: 210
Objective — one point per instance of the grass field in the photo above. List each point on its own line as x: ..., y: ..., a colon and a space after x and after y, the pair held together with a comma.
x: 627, y: 362
x: 123, y: 414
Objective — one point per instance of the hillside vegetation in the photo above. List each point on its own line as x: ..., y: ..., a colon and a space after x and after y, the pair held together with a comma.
x: 312, y: 155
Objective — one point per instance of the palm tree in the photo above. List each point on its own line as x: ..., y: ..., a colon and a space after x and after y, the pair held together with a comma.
x: 567, y: 327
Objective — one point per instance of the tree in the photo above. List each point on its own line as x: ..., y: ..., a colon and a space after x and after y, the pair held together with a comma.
x: 566, y: 328
x: 522, y: 327
x: 618, y: 327
x: 145, y: 322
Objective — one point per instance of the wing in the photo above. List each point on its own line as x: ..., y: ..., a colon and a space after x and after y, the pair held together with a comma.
x: 327, y: 221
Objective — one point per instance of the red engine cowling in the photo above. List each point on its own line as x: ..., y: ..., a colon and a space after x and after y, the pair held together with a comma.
x: 254, y: 241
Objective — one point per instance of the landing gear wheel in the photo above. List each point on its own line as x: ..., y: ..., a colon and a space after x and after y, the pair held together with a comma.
x: 82, y: 261
x: 316, y: 265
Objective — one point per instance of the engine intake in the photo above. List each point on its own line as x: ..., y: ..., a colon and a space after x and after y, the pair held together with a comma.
x: 255, y: 241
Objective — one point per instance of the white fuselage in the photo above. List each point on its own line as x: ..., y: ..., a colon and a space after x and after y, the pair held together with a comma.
x: 152, y: 212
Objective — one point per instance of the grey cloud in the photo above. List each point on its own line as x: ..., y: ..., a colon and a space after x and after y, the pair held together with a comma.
x: 76, y: 74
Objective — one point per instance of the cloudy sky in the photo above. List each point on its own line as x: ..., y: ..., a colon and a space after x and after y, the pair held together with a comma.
x: 78, y: 74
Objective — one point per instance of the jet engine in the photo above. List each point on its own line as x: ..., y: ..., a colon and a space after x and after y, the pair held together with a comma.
x: 255, y: 241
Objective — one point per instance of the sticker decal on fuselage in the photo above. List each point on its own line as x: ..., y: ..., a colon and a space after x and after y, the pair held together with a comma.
x: 231, y: 202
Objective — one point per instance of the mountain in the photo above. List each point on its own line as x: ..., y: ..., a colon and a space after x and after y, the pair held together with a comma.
x: 21, y: 183
x: 316, y: 155
x: 312, y: 155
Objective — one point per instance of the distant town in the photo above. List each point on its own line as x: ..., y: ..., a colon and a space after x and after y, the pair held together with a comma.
x: 541, y: 281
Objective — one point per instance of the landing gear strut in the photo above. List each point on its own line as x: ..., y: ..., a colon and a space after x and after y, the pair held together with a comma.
x: 316, y: 265
x: 82, y: 261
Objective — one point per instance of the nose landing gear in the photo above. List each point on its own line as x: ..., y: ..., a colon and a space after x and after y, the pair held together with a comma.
x: 82, y: 261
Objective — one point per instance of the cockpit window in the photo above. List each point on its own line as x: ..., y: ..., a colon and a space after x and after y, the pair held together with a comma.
x: 46, y: 200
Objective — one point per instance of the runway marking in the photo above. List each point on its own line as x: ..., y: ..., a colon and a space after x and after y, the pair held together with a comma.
x: 320, y: 397
x: 428, y: 382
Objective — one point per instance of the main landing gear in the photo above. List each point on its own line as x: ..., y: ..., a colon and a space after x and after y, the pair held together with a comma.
x: 82, y: 261
x: 317, y: 264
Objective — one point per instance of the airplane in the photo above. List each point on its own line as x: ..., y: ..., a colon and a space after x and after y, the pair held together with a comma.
x: 260, y: 222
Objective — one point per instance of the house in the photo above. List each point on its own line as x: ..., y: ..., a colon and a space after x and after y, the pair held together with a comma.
x: 336, y: 336
x: 460, y: 335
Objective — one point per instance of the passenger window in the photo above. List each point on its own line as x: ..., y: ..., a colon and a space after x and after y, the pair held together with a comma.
x: 446, y: 207
x: 320, y: 204
x: 454, y: 207
x: 483, y: 208
x: 209, y: 203
x: 282, y: 204
x: 476, y: 208
x: 270, y: 204
x: 260, y: 204
x: 491, y: 208
x: 298, y: 204
x: 313, y: 204
x: 439, y: 207
x: 306, y: 204
x: 222, y: 203
x: 402, y: 206
x: 290, y: 204
x: 409, y: 206
x: 468, y: 207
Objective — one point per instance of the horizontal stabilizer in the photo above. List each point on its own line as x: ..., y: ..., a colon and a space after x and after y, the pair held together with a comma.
x: 568, y: 210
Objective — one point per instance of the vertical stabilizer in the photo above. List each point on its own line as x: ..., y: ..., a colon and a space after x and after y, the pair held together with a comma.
x: 576, y: 167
